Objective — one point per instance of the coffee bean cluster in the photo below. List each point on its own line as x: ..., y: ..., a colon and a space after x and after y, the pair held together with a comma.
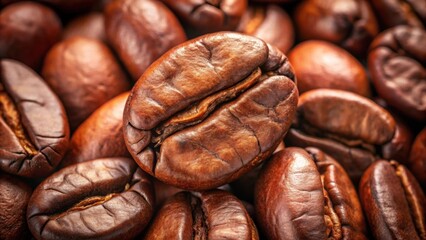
x: 213, y: 119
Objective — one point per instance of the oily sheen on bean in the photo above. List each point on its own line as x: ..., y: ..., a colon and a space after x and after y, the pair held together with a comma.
x: 292, y: 176
x: 203, y: 137
x: 109, y: 198
x: 394, y: 203
x: 214, y: 214
x: 326, y: 119
x: 33, y: 125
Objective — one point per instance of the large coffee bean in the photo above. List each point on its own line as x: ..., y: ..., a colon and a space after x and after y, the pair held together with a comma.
x: 205, y: 136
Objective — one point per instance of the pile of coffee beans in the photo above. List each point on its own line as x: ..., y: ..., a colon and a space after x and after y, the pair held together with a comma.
x: 213, y: 119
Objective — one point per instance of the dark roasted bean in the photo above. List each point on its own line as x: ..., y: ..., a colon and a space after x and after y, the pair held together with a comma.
x: 301, y: 195
x: 349, y: 23
x: 33, y: 125
x: 14, y: 197
x: 213, y: 214
x: 108, y: 198
x: 393, y: 202
x: 327, y: 119
x: 397, y: 61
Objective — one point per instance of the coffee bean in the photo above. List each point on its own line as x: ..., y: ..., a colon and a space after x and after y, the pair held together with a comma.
x: 33, y: 124
x: 108, y: 198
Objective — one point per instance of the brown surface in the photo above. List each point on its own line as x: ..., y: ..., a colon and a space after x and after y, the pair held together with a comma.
x: 269, y: 23
x: 209, y: 15
x: 348, y: 23
x: 91, y: 25
x: 215, y: 124
x: 101, y: 135
x: 27, y: 31
x: 108, y: 198
x: 297, y: 197
x: 14, y: 197
x: 33, y: 125
x: 345, y: 125
x: 393, y: 201
x: 400, y: 12
x: 140, y: 31
x: 417, y: 162
x: 84, y: 74
x: 397, y: 61
x: 319, y: 64
x: 213, y: 214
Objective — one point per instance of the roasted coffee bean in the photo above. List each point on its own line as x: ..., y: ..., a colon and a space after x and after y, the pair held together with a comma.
x: 213, y: 214
x: 319, y: 64
x: 417, y: 162
x: 140, y: 31
x: 349, y: 23
x: 89, y: 26
x: 14, y: 197
x: 101, y: 135
x: 393, y: 202
x: 347, y: 126
x: 397, y: 63
x: 27, y: 31
x: 209, y: 15
x: 84, y: 74
x: 269, y: 23
x: 108, y: 198
x: 206, y: 136
x: 307, y: 196
x: 400, y: 12
x: 33, y: 125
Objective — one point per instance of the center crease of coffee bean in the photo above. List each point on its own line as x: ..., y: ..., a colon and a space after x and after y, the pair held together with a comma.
x: 11, y: 116
x: 89, y: 202
x: 199, y: 223
x: 332, y: 221
x: 200, y: 110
